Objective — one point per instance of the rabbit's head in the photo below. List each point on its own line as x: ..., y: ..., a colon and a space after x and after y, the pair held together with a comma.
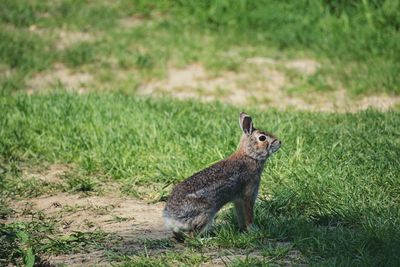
x: 256, y: 143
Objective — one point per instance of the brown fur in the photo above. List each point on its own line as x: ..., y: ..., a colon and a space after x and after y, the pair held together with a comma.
x: 194, y: 202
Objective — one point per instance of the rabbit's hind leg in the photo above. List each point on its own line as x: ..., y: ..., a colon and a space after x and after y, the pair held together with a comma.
x: 202, y: 223
x: 178, y: 227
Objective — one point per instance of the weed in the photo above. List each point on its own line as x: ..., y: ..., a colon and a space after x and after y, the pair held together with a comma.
x: 81, y: 184
x: 76, y: 242
x: 24, y: 51
x: 276, y: 252
x: 21, y: 243
x: 79, y: 54
x: 143, y: 61
x: 14, y: 184
x: 27, y: 252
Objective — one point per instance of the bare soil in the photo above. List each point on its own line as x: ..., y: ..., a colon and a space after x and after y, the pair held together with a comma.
x: 262, y: 82
x: 131, y: 220
x: 52, y: 174
x: 131, y: 22
x: 59, y: 75
x: 64, y: 38
x: 135, y: 226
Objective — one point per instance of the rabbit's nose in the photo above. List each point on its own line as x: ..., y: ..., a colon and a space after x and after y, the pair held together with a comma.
x: 276, y: 140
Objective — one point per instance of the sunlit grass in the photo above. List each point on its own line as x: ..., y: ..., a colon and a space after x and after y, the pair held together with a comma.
x: 331, y: 190
x: 357, y: 44
x: 331, y: 193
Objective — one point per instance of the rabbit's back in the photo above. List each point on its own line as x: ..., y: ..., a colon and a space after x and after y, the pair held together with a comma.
x: 205, y: 192
x: 207, y: 184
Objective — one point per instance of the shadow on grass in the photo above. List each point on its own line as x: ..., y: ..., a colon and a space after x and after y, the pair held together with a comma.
x: 332, y: 240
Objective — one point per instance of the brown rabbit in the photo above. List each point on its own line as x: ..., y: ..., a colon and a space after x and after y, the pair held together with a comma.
x: 194, y: 202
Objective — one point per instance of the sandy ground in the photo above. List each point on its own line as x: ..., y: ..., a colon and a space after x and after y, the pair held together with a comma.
x: 129, y: 221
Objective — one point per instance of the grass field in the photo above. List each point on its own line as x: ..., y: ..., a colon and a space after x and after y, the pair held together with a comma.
x: 105, y: 106
x: 122, y: 45
x: 332, y: 191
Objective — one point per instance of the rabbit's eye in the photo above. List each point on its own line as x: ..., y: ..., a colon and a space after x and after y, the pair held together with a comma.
x: 262, y: 138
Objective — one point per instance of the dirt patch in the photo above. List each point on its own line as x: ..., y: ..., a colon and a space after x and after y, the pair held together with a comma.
x: 131, y: 22
x: 259, y: 85
x: 305, y: 66
x: 6, y: 71
x: 129, y: 217
x: 194, y: 82
x: 261, y: 60
x: 132, y: 221
x: 64, y: 38
x: 261, y: 82
x: 379, y: 102
x: 341, y: 101
x: 60, y: 75
x: 53, y: 174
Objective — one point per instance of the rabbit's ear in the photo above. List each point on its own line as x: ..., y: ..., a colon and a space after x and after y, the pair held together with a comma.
x: 246, y: 123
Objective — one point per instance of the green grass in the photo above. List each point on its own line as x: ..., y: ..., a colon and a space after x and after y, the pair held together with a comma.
x: 332, y: 190
x: 363, y: 33
x: 357, y: 43
x: 23, y: 51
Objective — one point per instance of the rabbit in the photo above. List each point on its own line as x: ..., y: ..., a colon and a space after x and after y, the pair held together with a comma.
x: 193, y: 203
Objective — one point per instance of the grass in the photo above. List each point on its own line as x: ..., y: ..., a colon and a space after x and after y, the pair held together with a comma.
x: 332, y: 190
x: 27, y: 243
x: 331, y: 193
x: 80, y: 183
x: 357, y: 43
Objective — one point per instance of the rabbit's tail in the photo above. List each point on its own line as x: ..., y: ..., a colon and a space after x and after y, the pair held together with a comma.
x: 174, y: 224
x: 198, y: 224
